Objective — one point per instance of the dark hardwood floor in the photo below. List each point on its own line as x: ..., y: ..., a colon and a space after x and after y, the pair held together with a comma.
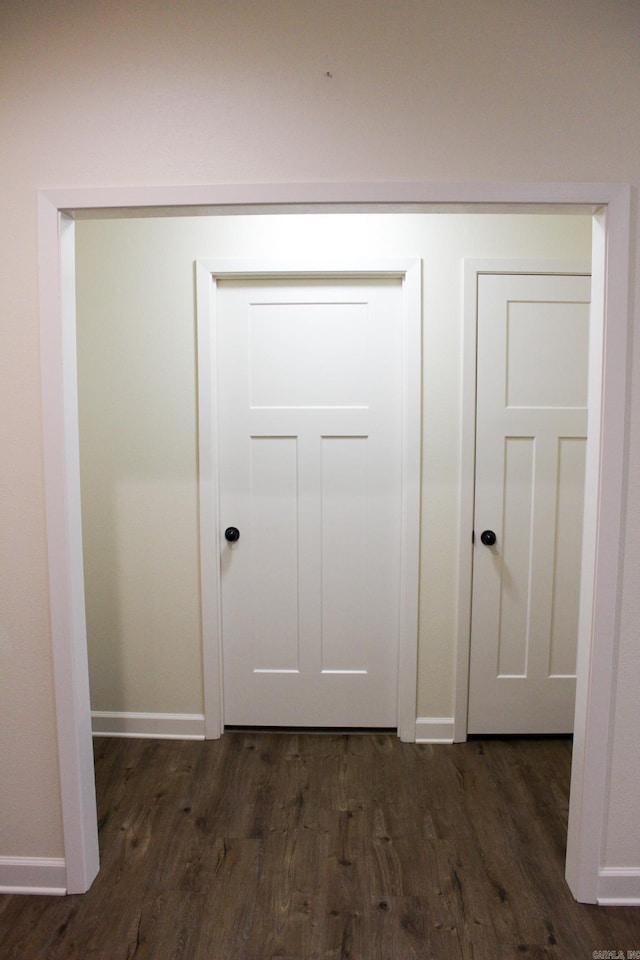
x: 309, y: 846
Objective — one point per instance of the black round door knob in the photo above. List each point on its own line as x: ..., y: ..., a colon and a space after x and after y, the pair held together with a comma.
x: 232, y: 534
x: 488, y: 537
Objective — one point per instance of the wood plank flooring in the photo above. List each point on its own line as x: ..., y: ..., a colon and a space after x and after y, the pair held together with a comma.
x: 324, y: 846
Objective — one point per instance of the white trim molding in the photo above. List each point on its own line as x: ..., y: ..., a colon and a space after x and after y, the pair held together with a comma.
x: 208, y: 274
x: 434, y: 729
x: 158, y: 726
x: 56, y: 234
x: 610, y: 206
x: 619, y: 886
x: 41, y: 876
x: 473, y: 268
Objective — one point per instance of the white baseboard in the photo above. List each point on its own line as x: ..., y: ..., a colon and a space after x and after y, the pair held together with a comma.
x: 619, y: 886
x: 434, y: 730
x: 162, y: 726
x: 42, y: 876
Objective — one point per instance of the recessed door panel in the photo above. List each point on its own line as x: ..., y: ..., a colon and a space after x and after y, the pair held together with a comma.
x: 273, y: 549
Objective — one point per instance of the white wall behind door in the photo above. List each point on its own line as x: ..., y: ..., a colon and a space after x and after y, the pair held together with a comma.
x: 138, y: 425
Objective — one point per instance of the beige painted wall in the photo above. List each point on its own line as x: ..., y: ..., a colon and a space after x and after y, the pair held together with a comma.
x: 137, y: 388
x: 106, y: 94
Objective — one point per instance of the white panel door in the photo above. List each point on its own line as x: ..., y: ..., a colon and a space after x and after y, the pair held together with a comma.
x: 310, y: 407
x: 530, y: 459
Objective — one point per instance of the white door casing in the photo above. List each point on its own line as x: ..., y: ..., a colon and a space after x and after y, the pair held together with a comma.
x: 531, y: 428
x: 610, y: 207
x: 283, y: 606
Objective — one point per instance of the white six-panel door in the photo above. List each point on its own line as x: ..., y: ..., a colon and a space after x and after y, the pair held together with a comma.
x: 309, y: 376
x: 530, y: 457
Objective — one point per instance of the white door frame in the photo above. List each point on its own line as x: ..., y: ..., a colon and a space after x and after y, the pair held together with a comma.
x: 610, y: 206
x: 473, y: 268
x: 208, y: 273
